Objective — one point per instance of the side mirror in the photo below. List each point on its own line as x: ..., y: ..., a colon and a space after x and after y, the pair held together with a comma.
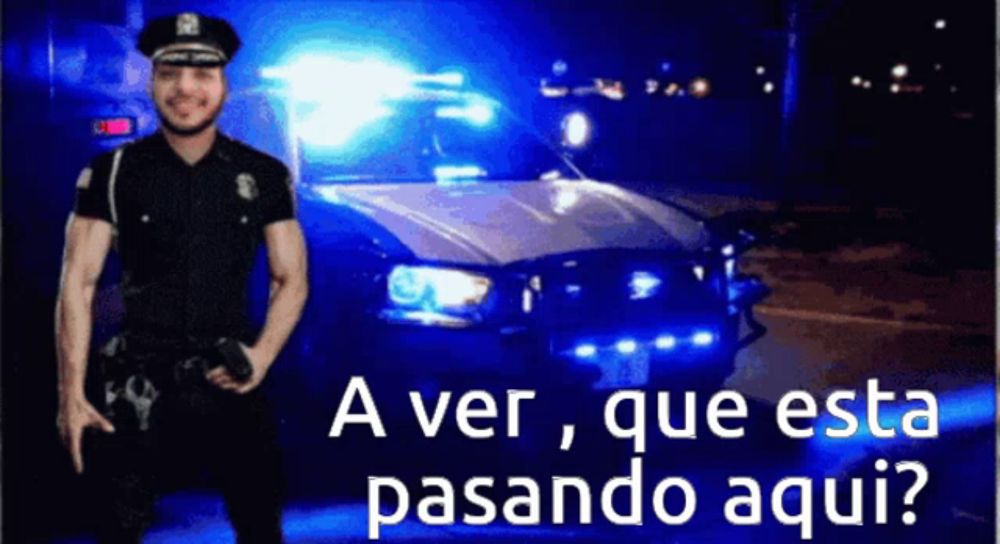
x: 742, y: 229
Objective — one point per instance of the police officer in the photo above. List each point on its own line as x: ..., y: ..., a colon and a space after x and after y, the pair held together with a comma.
x: 186, y: 209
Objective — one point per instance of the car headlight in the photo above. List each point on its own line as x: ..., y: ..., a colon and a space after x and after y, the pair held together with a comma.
x: 433, y: 288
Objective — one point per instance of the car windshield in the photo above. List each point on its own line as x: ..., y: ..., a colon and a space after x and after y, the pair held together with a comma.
x: 431, y: 137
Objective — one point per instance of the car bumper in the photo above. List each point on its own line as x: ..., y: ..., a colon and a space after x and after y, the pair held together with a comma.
x: 432, y: 356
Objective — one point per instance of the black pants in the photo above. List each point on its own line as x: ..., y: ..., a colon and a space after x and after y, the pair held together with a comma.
x: 191, y: 425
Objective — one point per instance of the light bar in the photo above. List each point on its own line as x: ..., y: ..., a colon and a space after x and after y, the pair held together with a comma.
x: 585, y: 351
x: 665, y: 342
x: 702, y: 338
x: 626, y: 346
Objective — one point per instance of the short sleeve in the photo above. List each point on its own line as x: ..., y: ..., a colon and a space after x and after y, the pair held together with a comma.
x: 277, y: 196
x: 92, y: 190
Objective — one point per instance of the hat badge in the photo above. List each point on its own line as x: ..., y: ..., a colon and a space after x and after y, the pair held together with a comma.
x: 246, y: 186
x: 188, y: 24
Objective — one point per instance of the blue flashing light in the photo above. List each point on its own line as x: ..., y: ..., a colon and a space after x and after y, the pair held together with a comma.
x: 626, y: 346
x: 328, y: 78
x: 334, y: 95
x: 585, y: 351
x: 702, y: 338
x: 573, y: 289
x: 643, y: 285
x: 335, y: 123
x: 477, y: 114
x: 576, y: 129
x: 450, y: 172
x: 665, y: 342
x: 332, y: 98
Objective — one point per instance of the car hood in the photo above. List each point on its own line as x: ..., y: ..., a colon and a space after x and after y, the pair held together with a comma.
x: 503, y: 222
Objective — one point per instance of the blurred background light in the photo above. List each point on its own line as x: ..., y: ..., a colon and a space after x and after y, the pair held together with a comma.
x: 576, y: 129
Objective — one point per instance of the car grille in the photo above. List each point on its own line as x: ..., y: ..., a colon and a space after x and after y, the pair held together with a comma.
x: 600, y: 296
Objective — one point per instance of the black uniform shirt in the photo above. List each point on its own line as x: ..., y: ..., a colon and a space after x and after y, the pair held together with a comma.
x: 187, y: 235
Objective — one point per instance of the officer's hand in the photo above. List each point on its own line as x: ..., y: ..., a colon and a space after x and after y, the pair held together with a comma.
x: 258, y: 362
x: 75, y: 416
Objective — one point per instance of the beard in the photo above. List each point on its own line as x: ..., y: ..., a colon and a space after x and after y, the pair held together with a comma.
x: 190, y: 131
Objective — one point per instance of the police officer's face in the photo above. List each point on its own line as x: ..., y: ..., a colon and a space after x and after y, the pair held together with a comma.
x: 188, y: 98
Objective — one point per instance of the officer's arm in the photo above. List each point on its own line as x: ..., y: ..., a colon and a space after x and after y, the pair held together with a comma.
x: 87, y: 244
x: 286, y: 257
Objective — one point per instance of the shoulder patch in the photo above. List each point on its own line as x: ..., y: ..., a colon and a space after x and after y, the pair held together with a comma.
x: 83, y: 180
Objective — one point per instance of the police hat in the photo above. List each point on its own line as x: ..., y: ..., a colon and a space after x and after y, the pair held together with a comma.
x: 189, y: 39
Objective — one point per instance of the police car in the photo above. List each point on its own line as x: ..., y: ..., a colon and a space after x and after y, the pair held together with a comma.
x: 451, y: 244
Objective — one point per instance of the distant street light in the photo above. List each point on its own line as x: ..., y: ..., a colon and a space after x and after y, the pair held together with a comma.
x: 768, y: 87
x: 576, y: 129
x: 699, y: 87
x: 894, y: 88
x: 760, y: 70
x: 940, y: 24
x: 856, y: 81
x: 900, y: 71
x: 559, y: 68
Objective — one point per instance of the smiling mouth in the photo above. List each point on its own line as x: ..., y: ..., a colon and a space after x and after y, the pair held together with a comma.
x: 185, y: 107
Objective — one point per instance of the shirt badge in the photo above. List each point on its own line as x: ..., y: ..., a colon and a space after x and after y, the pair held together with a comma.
x: 188, y: 24
x: 246, y: 186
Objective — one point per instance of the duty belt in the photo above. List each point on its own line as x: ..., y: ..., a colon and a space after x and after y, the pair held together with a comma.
x: 136, y: 376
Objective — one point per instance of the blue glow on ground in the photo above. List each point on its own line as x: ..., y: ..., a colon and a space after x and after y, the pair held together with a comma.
x: 957, y: 411
x: 200, y: 519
